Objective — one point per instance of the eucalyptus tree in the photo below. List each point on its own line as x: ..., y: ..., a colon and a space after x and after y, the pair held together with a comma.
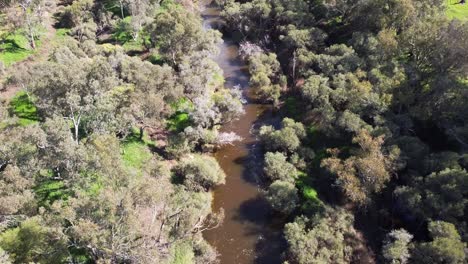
x: 396, y: 248
x: 178, y: 32
x: 446, y: 245
x: 84, y: 91
x: 323, y: 239
x: 282, y: 196
x: 366, y: 171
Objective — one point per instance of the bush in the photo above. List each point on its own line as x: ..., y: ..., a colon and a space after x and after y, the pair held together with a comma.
x: 200, y: 173
x: 287, y: 139
x: 282, y: 196
x: 277, y: 168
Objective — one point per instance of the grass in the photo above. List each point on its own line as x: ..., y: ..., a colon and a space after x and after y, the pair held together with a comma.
x: 61, y: 34
x: 178, y: 122
x: 180, y: 119
x: 49, y: 191
x: 14, y: 48
x: 456, y: 10
x: 22, y: 106
x: 183, y: 254
x: 136, y: 152
x: 156, y: 58
x: 309, y: 195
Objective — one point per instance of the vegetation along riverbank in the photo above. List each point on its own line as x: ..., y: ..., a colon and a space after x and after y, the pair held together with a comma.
x: 253, y: 131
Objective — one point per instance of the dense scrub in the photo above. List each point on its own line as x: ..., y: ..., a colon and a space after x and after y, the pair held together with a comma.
x: 103, y: 156
x: 375, y: 122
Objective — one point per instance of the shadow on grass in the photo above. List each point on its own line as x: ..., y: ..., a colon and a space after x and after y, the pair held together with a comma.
x: 10, y: 45
x: 23, y: 107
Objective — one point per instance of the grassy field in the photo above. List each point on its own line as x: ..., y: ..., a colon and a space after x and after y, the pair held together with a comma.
x: 456, y: 10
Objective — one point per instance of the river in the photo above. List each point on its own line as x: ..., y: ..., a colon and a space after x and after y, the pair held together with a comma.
x: 250, y: 232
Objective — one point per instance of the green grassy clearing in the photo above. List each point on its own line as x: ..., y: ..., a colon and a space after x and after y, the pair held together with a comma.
x: 22, y: 106
x: 456, y: 10
x: 136, y: 152
x: 14, y: 48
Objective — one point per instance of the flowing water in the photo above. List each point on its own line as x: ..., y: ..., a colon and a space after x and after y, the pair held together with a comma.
x: 249, y: 233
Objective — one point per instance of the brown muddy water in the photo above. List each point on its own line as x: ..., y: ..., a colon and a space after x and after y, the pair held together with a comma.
x: 250, y: 232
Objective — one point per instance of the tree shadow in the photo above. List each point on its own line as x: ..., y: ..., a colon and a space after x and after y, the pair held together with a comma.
x: 10, y: 45
x: 267, y: 228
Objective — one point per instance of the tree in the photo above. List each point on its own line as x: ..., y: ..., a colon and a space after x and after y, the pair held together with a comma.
x: 83, y: 91
x: 396, y: 246
x: 4, y: 257
x: 277, y: 168
x: 32, y: 17
x: 364, y: 173
x: 286, y: 139
x: 200, y: 173
x: 198, y: 75
x: 446, y: 245
x: 152, y: 88
x: 240, y: 16
x: 321, y: 240
x: 33, y: 241
x: 440, y: 195
x: 16, y: 193
x: 266, y: 76
x: 79, y: 17
x: 116, y: 216
x: 178, y: 32
x: 282, y: 196
x: 139, y: 11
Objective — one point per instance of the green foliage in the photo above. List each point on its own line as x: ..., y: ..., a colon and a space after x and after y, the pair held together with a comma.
x: 277, y: 168
x: 183, y: 254
x: 282, y: 196
x: 61, y: 36
x: 200, y: 172
x: 34, y: 242
x: 396, y: 246
x: 23, y: 107
x: 310, y: 193
x: 135, y: 151
x: 286, y: 139
x: 322, y: 239
x: 457, y: 10
x: 310, y: 200
x: 50, y: 191
x: 14, y: 48
x: 178, y: 121
x: 446, y: 245
x: 123, y: 34
x: 156, y: 58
